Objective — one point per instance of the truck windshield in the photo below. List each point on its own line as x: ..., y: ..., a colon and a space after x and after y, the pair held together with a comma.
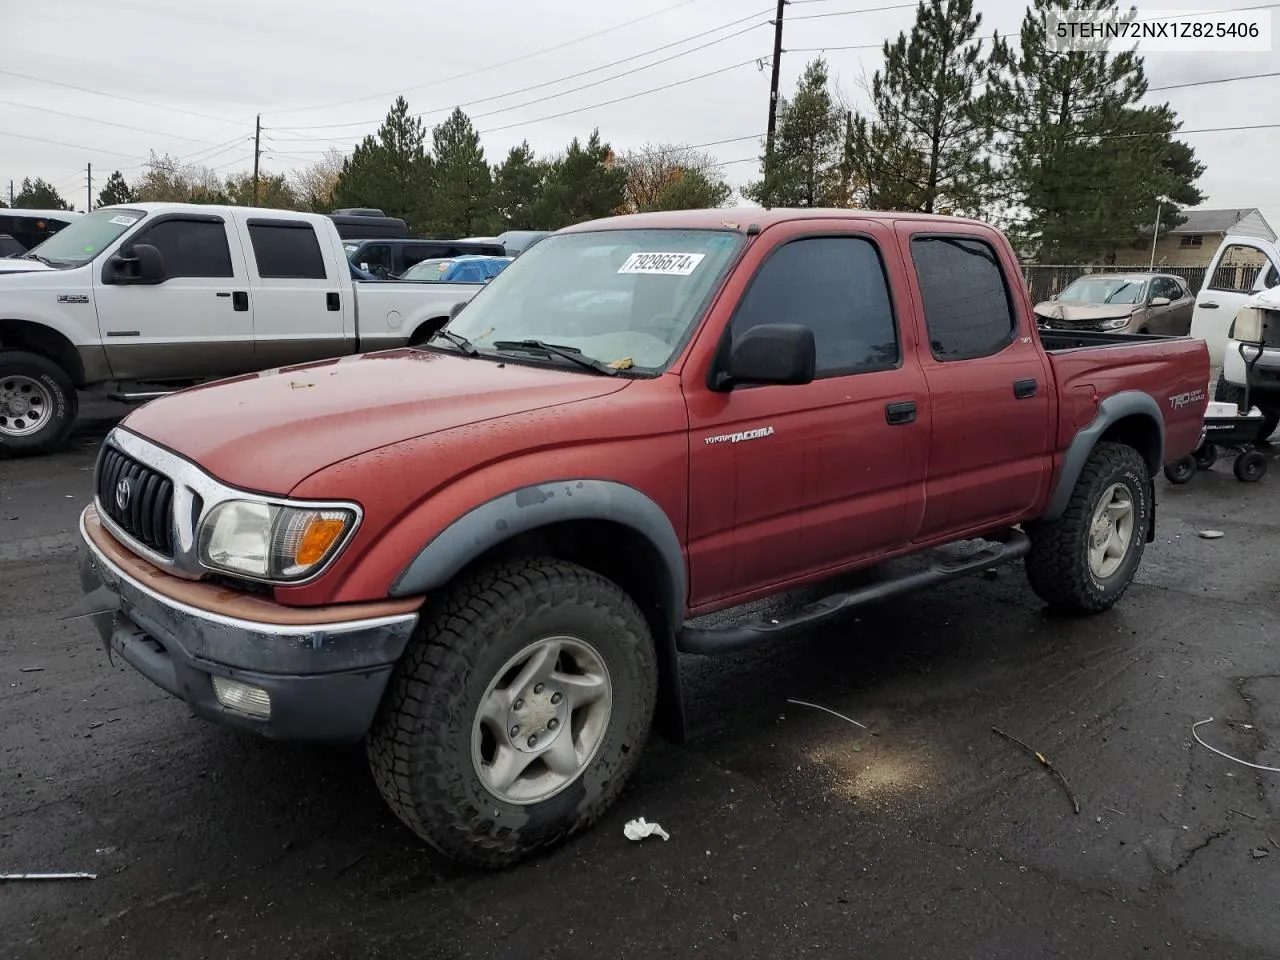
x: 629, y: 298
x: 1103, y: 290
x: 86, y: 237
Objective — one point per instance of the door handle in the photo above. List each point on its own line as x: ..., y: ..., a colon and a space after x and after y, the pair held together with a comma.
x: 1022, y: 389
x: 222, y: 293
x: 1209, y: 306
x: 333, y: 301
x: 904, y: 411
x: 239, y: 300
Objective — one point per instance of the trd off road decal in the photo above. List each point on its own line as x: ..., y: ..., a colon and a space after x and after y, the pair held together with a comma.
x: 742, y: 435
x: 1180, y: 400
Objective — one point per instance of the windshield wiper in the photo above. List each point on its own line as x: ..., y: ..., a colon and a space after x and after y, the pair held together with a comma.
x: 35, y: 256
x: 568, y: 353
x: 458, y: 340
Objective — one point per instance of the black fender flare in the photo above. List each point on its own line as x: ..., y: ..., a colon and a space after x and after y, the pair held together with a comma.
x: 541, y: 505
x: 1112, y: 410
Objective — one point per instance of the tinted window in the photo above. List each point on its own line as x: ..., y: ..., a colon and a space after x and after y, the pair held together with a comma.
x: 287, y: 252
x: 1273, y: 278
x: 1164, y: 287
x: 966, y: 302
x: 836, y: 287
x: 191, y: 248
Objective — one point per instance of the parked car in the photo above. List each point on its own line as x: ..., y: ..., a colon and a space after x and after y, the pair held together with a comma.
x: 32, y: 227
x: 150, y: 297
x: 366, y: 224
x: 514, y: 242
x: 1121, y: 303
x: 483, y: 556
x: 387, y: 259
x: 457, y: 269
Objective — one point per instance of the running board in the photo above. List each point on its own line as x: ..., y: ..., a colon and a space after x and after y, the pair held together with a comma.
x: 133, y: 397
x: 738, y: 636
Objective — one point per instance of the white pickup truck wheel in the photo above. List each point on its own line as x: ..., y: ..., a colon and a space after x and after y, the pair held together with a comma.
x: 1084, y: 561
x: 38, y: 403
x: 518, y: 712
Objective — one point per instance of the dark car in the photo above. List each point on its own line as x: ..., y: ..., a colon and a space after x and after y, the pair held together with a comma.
x: 389, y: 258
x: 1121, y: 303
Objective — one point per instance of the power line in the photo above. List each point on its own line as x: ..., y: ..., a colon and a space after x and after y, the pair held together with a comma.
x: 850, y: 13
x: 109, y: 123
x: 631, y: 96
x: 492, y: 66
x: 116, y: 96
x: 572, y: 76
x: 1205, y: 83
x: 856, y: 46
x: 73, y: 146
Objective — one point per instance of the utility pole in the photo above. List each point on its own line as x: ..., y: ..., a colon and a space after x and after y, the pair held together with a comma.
x: 773, y: 98
x: 11, y: 193
x: 88, y: 200
x: 257, y: 150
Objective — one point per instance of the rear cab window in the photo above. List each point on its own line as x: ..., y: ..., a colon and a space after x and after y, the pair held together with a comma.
x: 286, y: 250
x: 968, y: 308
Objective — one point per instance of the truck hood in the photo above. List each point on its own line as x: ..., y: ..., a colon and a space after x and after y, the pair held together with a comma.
x: 11, y: 265
x: 1084, y: 312
x: 1265, y: 300
x: 271, y: 430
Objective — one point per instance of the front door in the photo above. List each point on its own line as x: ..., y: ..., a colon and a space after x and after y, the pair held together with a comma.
x: 989, y: 383
x: 1242, y: 267
x: 195, y: 324
x: 792, y: 480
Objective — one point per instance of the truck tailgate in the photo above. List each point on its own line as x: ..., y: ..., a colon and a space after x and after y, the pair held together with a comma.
x: 1173, y: 371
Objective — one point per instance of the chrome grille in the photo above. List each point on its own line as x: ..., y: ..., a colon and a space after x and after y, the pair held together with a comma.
x: 137, y: 498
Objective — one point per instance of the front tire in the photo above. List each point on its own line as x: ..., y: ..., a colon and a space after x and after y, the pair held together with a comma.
x: 1250, y: 466
x: 1084, y: 561
x: 518, y: 712
x: 38, y: 404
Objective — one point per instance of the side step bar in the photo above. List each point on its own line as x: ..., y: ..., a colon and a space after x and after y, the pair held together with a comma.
x: 135, y: 396
x: 738, y: 636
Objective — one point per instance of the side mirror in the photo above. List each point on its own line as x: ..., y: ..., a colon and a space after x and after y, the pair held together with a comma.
x: 1160, y: 301
x: 771, y: 353
x: 139, y: 264
x: 455, y: 310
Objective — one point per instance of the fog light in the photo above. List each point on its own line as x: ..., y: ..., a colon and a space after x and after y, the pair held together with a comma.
x: 235, y: 695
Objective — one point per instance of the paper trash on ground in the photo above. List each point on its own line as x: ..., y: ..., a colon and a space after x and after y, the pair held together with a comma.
x: 640, y: 829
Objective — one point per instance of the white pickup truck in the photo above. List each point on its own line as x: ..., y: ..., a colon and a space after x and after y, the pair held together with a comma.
x: 148, y: 298
x: 1237, y: 277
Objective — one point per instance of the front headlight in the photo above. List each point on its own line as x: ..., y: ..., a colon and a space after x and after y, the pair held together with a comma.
x: 266, y: 541
x: 1248, y: 325
x: 1115, y: 324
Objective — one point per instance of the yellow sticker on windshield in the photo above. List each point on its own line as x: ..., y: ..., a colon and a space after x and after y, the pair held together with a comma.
x: 624, y: 364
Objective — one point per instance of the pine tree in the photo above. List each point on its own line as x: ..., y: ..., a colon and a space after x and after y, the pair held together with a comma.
x: 460, y: 200
x: 922, y: 148
x: 390, y: 170
x: 115, y: 191
x: 804, y: 170
x: 583, y: 184
x: 1085, y: 163
x: 517, y: 185
x: 38, y: 195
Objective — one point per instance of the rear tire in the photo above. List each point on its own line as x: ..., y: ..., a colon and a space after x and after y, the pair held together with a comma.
x: 1250, y: 466
x: 518, y: 712
x: 38, y: 404
x: 1181, y: 471
x: 1084, y: 561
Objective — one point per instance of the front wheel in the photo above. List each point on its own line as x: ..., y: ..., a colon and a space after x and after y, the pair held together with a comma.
x: 518, y: 712
x: 38, y: 403
x: 1084, y: 561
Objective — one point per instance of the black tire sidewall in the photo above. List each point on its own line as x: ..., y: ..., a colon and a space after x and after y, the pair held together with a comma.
x: 628, y: 726
x: 1181, y: 471
x: 60, y: 387
x: 1137, y: 481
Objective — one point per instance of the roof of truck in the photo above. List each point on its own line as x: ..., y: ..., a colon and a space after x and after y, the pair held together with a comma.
x: 742, y: 217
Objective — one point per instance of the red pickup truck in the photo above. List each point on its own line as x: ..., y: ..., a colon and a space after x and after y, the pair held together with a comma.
x: 482, y: 556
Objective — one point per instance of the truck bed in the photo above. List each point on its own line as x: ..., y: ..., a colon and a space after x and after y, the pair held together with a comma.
x: 1055, y: 340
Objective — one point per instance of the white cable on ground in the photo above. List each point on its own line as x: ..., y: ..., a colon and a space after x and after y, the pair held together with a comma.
x: 1243, y: 763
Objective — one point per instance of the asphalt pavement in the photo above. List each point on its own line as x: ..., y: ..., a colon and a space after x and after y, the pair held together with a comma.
x: 793, y: 832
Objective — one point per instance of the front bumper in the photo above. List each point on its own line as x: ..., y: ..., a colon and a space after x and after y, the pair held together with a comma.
x: 325, y: 669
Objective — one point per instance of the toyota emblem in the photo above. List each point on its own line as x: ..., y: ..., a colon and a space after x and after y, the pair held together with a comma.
x: 122, y: 493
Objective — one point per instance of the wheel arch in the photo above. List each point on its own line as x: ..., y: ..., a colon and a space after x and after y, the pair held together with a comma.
x: 608, y: 527
x: 1132, y: 418
x: 45, y: 341
x: 426, y: 328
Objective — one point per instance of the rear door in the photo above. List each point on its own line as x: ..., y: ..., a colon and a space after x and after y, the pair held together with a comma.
x: 989, y: 383
x: 302, y: 293
x: 1242, y: 267
x: 198, y: 321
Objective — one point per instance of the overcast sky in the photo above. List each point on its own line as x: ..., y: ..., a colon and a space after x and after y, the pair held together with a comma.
x: 323, y: 72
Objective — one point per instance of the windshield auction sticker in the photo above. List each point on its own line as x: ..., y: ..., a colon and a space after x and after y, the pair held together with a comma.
x: 662, y: 264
